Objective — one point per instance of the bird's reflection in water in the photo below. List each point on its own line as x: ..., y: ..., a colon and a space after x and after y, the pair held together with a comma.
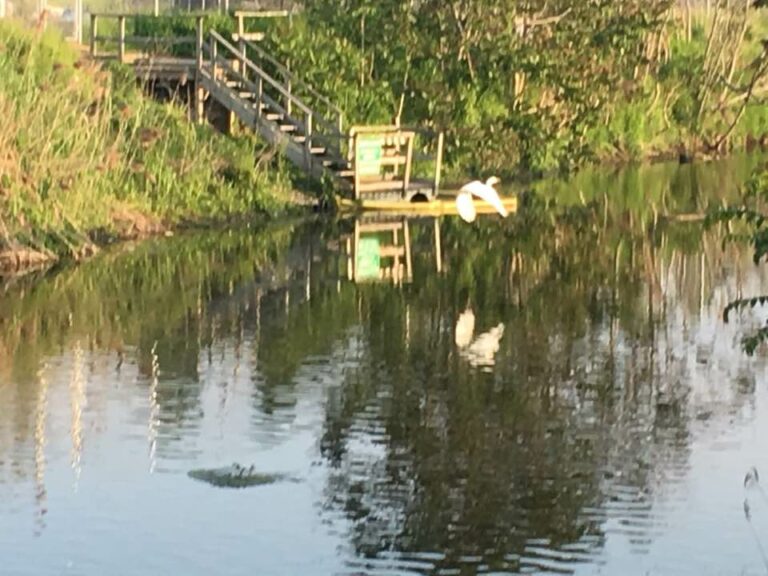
x: 479, y: 352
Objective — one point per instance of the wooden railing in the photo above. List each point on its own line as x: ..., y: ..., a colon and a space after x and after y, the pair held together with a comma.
x: 294, y: 84
x: 121, y: 42
x: 222, y: 62
x: 219, y: 55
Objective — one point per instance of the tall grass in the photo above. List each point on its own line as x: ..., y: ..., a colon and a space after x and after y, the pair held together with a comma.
x: 82, y: 150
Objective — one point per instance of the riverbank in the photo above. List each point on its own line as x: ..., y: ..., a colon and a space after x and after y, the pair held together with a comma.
x: 86, y: 159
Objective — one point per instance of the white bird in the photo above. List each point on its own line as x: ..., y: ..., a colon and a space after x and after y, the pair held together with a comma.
x: 484, y: 191
x: 465, y: 328
x: 482, y: 352
x: 479, y: 351
x: 466, y: 206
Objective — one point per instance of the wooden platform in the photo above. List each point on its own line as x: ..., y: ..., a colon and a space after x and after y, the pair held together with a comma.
x: 443, y: 205
x: 165, y: 68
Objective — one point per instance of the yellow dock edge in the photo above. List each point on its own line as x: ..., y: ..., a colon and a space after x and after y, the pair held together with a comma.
x: 442, y: 205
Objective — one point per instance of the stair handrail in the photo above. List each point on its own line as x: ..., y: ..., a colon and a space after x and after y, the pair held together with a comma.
x: 291, y: 77
x: 260, y: 72
x: 309, y: 115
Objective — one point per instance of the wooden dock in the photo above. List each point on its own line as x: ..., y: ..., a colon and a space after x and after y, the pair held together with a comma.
x: 365, y: 163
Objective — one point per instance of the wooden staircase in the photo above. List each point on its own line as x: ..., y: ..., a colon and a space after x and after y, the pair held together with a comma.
x: 308, y: 138
x: 263, y: 95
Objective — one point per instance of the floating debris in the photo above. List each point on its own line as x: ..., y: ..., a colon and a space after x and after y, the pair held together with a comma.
x: 237, y: 476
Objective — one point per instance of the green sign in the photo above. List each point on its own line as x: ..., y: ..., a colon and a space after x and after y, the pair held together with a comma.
x: 370, y: 150
x: 368, y: 258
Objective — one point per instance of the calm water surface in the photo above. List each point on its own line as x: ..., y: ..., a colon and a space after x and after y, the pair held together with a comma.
x: 538, y: 396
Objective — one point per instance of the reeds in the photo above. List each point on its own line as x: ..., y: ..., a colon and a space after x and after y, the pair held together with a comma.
x: 81, y: 147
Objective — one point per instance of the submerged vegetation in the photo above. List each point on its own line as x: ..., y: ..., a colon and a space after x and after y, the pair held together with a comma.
x: 85, y: 156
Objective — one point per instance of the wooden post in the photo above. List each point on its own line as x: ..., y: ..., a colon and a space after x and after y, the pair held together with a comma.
x: 199, y: 93
x: 78, y: 21
x: 408, y: 164
x: 354, y: 161
x: 156, y: 8
x: 438, y: 163
x: 94, y: 33
x: 214, y: 57
x: 288, y: 98
x: 308, y: 142
x: 259, y: 95
x: 242, y: 45
x: 3, y: 8
x: 199, y: 43
x: 121, y: 39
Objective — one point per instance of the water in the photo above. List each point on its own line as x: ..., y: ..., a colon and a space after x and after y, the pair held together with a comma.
x: 534, y: 397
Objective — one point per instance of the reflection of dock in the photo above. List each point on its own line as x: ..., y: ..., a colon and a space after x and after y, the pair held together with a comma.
x: 380, y: 251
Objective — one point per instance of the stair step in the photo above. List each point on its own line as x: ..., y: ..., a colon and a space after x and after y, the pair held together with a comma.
x: 317, y: 149
x: 246, y: 95
x: 332, y: 162
x: 272, y: 116
x: 346, y: 173
x: 233, y: 83
x: 288, y: 127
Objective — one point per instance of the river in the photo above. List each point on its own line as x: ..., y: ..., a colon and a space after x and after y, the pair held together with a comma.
x: 538, y: 395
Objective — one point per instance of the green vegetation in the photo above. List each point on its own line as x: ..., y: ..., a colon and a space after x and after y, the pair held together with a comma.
x: 528, y: 87
x: 539, y: 85
x: 83, y: 154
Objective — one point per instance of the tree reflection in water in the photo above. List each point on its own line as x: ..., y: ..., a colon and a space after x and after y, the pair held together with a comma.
x: 598, y: 356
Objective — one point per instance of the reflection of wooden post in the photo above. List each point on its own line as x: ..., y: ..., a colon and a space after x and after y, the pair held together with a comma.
x: 355, y: 245
x: 348, y: 253
x: 407, y: 241
x: 41, y: 440
x: 438, y: 247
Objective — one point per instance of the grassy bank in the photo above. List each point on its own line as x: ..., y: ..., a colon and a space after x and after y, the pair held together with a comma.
x: 85, y: 157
